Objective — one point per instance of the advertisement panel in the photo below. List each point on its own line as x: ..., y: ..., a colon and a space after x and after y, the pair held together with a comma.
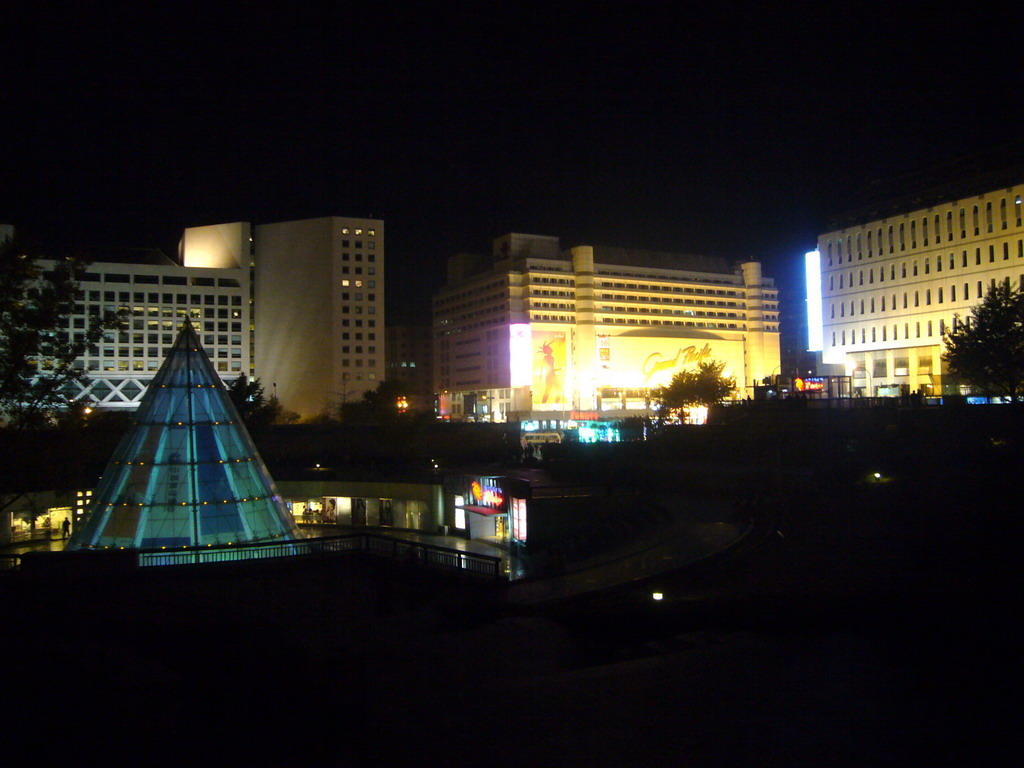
x: 520, y: 355
x: 642, y: 362
x: 549, y: 367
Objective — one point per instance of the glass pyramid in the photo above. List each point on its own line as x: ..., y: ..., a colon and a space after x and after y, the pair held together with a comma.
x: 187, y: 473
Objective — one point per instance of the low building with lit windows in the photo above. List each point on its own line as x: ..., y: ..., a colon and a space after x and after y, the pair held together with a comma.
x: 550, y: 338
x: 156, y: 294
x: 893, y: 277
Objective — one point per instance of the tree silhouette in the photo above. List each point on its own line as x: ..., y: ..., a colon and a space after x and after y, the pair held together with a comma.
x: 704, y: 385
x: 37, y: 351
x: 987, y: 351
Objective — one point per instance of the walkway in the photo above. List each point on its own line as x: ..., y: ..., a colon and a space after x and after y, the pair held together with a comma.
x: 679, y: 533
x: 693, y: 530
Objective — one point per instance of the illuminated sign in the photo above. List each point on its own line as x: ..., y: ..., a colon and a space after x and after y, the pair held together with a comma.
x: 812, y: 274
x: 584, y: 415
x: 654, y: 362
x: 487, y: 495
x: 519, y: 519
x: 549, y: 367
x: 520, y: 354
x: 810, y: 384
x: 604, y: 351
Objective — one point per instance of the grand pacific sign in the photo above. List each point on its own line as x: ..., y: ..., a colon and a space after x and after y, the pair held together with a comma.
x: 657, y: 362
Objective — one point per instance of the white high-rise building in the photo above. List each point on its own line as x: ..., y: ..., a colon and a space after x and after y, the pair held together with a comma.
x: 318, y: 311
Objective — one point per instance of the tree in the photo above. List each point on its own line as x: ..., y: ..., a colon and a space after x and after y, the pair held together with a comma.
x: 252, y: 404
x: 37, y: 351
x: 988, y: 350
x: 703, y: 386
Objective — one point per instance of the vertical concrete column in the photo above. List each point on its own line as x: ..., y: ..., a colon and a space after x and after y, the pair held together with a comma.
x: 585, y: 347
x: 754, y: 363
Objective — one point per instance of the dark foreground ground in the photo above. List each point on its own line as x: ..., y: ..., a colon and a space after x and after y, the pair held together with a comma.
x: 845, y: 641
x: 873, y: 621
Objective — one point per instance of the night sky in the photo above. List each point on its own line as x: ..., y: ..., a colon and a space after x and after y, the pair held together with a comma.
x: 732, y: 131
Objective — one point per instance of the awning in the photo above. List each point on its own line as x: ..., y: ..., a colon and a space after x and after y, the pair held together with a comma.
x: 482, y: 510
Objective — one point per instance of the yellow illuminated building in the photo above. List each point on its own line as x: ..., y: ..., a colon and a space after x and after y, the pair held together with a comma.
x: 891, y: 285
x: 533, y: 332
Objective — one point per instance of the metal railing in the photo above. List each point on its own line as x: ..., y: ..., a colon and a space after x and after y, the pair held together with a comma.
x: 404, y: 550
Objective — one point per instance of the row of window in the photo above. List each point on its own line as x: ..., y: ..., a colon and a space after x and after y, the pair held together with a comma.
x: 927, y: 326
x: 898, y: 236
x: 867, y: 306
x: 124, y: 297
x: 846, y: 279
x: 668, y: 288
x: 115, y: 277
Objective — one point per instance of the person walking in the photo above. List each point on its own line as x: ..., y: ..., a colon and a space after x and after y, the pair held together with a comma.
x: 65, y: 528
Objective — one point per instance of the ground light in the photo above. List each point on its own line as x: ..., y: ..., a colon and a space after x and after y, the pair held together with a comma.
x: 878, y: 478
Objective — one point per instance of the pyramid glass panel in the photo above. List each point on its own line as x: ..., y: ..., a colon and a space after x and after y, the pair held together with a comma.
x: 187, y: 473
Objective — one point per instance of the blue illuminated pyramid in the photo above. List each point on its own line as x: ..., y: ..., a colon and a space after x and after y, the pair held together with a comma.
x: 187, y: 473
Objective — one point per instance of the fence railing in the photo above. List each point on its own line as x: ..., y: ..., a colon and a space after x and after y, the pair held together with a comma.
x: 404, y: 550
x: 416, y: 553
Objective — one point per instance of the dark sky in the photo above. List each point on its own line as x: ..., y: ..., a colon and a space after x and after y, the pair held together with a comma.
x: 732, y: 131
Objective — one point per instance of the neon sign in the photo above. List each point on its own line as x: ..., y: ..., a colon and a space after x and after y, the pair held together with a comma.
x: 810, y: 384
x: 653, y: 364
x: 487, y: 495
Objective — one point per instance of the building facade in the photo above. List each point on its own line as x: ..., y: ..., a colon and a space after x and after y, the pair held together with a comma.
x: 318, y: 307
x: 892, y: 285
x: 533, y: 333
x: 156, y: 295
x: 410, y: 362
x: 298, y: 304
